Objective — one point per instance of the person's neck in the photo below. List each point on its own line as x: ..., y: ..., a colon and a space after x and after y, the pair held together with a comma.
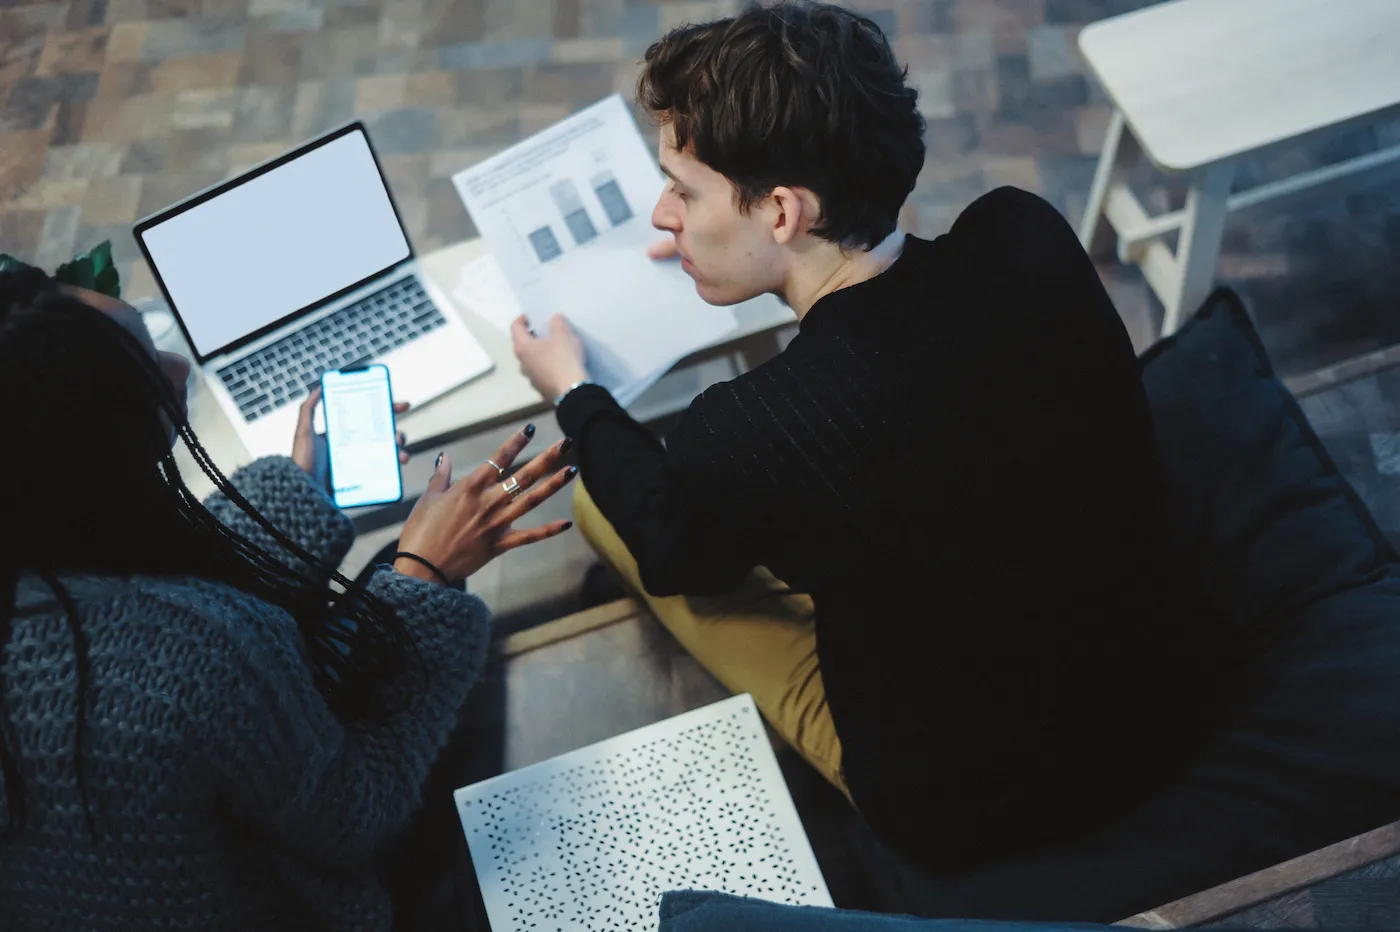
x: 827, y: 269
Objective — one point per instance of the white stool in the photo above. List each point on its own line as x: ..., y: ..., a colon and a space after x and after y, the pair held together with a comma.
x: 1204, y: 83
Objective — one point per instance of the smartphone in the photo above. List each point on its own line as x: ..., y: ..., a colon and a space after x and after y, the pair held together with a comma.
x: 361, y: 437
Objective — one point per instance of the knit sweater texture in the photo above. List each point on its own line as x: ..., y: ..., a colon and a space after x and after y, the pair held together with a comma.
x: 225, y: 793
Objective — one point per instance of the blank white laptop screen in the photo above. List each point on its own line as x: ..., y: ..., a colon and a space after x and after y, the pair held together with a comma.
x: 277, y: 243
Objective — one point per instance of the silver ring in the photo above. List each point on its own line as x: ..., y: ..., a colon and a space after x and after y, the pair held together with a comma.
x: 499, y: 471
x: 512, y: 487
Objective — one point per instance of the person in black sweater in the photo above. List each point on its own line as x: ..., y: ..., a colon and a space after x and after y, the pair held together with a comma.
x: 931, y: 535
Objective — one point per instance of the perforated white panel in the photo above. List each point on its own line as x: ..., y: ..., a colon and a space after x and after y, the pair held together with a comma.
x: 592, y: 838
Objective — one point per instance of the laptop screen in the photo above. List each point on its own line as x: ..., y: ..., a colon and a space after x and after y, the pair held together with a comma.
x: 277, y: 241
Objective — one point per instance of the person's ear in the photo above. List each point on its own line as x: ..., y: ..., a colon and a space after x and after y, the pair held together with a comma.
x: 796, y: 212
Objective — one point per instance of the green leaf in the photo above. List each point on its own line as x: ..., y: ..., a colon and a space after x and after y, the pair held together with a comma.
x: 92, y: 270
x: 10, y: 263
x: 76, y: 272
x: 105, y: 275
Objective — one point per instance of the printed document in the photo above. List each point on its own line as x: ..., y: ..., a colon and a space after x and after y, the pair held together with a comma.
x: 567, y: 216
x: 482, y: 288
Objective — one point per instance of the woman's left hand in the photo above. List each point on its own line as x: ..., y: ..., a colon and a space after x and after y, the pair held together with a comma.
x: 309, y: 447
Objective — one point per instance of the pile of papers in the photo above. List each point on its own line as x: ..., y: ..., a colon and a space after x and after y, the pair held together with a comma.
x: 566, y: 217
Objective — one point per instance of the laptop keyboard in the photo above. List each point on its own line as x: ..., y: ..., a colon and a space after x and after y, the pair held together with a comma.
x: 283, y: 372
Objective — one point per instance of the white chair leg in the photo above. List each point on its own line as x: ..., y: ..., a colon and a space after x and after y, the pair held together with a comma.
x: 1198, y: 248
x: 1103, y: 174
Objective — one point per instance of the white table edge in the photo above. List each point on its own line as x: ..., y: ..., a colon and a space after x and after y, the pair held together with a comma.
x: 1090, y: 33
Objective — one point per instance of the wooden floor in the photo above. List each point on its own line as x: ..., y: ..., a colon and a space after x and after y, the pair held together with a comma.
x: 594, y: 684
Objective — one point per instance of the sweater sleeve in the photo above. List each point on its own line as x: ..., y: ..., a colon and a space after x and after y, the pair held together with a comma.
x: 677, y: 522
x: 280, y: 491
x: 326, y: 791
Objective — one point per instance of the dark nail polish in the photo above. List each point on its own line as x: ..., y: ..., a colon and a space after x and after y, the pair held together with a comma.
x: 529, y: 431
x: 568, y: 524
x: 570, y: 473
x: 437, y: 462
x: 566, y: 445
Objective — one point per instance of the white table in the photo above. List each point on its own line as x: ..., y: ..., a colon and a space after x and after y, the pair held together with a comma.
x: 500, y: 397
x: 1204, y: 83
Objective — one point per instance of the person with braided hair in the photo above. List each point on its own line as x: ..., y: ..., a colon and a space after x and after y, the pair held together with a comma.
x: 203, y: 724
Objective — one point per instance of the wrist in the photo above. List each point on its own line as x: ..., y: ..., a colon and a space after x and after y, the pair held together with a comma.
x: 566, y: 378
x: 558, y: 397
x: 406, y: 567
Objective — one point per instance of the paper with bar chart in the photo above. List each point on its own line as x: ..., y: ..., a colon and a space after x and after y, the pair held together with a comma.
x: 566, y: 214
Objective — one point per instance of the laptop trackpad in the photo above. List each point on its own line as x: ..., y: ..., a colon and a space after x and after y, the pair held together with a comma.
x: 427, y: 367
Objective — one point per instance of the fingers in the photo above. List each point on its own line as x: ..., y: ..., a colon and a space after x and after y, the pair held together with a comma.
x: 485, y: 474
x: 521, y: 335
x: 442, y: 474
x: 512, y: 539
x: 663, y: 249
x: 304, y: 439
x: 537, y: 494
x: 307, y: 413
x: 401, y: 406
x: 559, y: 324
x: 542, y: 465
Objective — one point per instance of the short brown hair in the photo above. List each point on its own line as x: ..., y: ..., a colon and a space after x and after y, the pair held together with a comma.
x: 800, y: 93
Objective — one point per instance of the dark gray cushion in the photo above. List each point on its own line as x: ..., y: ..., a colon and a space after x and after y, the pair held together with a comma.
x: 702, y: 911
x: 1273, y: 522
x: 1307, y: 594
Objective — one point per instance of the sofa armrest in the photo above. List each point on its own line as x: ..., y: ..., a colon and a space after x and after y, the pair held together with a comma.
x: 1272, y: 882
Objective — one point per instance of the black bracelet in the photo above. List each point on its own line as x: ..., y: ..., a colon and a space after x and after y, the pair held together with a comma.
x: 413, y: 556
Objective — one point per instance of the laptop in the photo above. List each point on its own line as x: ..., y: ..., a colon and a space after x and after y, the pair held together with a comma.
x: 299, y: 266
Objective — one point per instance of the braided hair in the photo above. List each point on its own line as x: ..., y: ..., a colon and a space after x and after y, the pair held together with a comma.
x: 72, y: 379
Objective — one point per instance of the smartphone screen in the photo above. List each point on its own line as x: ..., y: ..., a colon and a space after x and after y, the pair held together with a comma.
x: 364, y: 455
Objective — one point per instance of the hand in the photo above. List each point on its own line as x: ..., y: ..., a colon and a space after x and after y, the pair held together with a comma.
x: 663, y: 249
x: 551, y: 363
x: 460, y: 527
x: 309, y: 447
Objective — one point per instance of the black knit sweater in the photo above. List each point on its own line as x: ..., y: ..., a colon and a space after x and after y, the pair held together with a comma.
x: 957, y: 461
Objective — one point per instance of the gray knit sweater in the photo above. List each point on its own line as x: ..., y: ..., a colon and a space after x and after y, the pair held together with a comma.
x: 225, y: 793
